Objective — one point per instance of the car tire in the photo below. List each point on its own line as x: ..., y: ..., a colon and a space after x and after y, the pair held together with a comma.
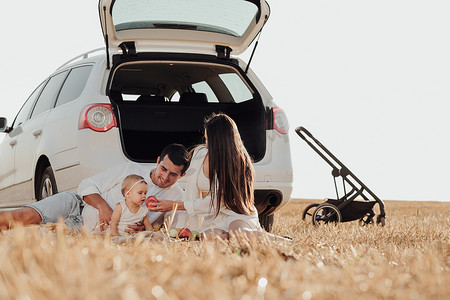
x: 266, y: 221
x: 47, y: 184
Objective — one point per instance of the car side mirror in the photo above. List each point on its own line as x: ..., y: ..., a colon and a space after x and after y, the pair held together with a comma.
x: 3, y: 125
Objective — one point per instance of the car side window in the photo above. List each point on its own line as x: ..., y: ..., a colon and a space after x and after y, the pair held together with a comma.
x: 203, y: 87
x: 74, y: 84
x: 237, y: 87
x: 47, y: 98
x: 26, y: 108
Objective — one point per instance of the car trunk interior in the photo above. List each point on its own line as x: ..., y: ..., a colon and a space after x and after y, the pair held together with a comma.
x: 158, y: 103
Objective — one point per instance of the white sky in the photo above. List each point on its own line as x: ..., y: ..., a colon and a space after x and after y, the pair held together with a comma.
x: 370, y: 79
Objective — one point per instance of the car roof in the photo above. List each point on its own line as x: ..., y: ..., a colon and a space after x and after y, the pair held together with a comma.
x: 95, y: 56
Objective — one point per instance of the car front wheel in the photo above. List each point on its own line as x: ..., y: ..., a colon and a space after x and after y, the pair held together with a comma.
x: 47, y: 184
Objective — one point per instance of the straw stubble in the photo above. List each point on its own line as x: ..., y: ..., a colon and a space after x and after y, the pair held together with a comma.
x: 408, y: 258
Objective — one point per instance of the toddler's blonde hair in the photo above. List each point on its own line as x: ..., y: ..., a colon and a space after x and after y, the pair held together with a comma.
x: 129, y: 181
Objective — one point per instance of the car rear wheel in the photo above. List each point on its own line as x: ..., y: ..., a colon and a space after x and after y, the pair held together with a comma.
x: 47, y: 184
x: 266, y: 221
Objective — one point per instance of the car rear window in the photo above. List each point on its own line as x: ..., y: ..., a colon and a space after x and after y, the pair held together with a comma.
x: 169, y: 81
x: 231, y: 17
x: 237, y: 87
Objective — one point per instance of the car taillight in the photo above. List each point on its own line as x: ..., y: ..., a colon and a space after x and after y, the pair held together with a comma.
x: 98, y: 117
x: 280, y: 121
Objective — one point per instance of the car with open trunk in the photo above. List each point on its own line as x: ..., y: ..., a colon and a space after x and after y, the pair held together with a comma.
x: 166, y: 65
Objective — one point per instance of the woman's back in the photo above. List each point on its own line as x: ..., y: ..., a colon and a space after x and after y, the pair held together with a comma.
x: 230, y: 167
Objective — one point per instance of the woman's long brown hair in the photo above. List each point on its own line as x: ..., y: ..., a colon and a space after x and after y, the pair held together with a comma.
x: 230, y: 167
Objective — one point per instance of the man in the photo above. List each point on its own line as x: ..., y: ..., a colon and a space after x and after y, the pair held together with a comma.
x: 102, y: 191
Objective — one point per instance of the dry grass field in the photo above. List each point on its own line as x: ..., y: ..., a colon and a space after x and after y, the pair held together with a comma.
x: 409, y: 258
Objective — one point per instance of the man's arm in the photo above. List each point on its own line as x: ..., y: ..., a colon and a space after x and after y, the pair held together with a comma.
x: 104, y: 210
x: 106, y: 180
x: 93, y: 187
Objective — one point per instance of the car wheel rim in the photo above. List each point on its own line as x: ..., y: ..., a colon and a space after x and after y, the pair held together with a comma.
x: 47, y: 188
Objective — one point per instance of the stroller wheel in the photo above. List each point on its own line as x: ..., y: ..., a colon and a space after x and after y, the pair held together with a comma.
x: 326, y: 213
x: 381, y: 220
x: 367, y: 219
x: 308, y: 212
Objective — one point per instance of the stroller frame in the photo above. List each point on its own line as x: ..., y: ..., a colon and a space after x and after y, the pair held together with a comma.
x: 341, y: 209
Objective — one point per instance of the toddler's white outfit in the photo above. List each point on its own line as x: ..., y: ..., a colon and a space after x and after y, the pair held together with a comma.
x: 129, y: 218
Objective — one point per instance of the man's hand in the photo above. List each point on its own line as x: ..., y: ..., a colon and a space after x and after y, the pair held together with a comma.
x: 165, y: 206
x: 104, y: 216
x: 104, y: 210
x: 139, y: 226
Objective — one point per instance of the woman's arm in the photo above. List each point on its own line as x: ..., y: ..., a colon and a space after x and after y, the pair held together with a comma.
x: 166, y: 205
x: 200, y: 207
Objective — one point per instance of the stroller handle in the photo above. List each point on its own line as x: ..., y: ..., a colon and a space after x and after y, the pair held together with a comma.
x: 343, y: 171
x: 299, y: 130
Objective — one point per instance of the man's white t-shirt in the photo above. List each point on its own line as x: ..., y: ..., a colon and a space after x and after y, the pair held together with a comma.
x: 108, y: 185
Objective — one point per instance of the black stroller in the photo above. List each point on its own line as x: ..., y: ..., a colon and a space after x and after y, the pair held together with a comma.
x: 345, y: 208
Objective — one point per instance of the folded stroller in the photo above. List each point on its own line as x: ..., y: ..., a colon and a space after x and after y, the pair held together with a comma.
x: 345, y: 208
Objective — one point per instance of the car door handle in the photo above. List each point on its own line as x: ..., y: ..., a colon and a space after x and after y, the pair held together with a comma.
x: 37, y: 132
x: 13, y: 143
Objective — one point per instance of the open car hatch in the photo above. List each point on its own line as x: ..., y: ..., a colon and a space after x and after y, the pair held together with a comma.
x: 194, y: 26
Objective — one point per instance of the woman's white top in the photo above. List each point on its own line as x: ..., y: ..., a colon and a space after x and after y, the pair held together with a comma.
x: 129, y: 218
x: 198, y: 207
x: 203, y: 182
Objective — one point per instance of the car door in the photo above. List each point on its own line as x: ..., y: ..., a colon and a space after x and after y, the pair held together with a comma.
x: 7, y: 164
x: 60, y: 141
x: 9, y: 194
x: 30, y: 134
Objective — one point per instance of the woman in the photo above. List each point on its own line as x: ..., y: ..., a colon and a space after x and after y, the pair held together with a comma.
x: 221, y: 182
x: 219, y: 185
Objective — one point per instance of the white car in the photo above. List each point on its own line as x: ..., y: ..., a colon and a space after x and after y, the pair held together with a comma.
x: 166, y: 65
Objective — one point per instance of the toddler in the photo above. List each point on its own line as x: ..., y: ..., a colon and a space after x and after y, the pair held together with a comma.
x: 132, y: 209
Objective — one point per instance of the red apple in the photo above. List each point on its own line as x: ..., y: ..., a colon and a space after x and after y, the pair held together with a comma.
x: 151, y: 199
x: 185, y: 233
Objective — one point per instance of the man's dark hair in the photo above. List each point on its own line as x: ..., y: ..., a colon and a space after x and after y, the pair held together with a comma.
x: 178, y: 154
